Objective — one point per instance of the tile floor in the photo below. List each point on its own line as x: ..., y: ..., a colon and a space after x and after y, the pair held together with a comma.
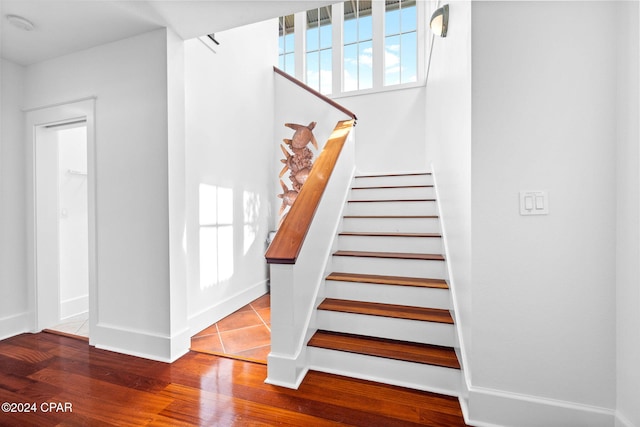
x: 76, y: 325
x: 244, y: 334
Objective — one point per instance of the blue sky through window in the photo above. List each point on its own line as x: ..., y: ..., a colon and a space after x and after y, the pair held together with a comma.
x: 358, y: 46
x: 319, y: 72
x: 400, y: 42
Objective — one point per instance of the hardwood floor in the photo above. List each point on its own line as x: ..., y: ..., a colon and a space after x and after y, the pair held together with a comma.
x: 67, y: 382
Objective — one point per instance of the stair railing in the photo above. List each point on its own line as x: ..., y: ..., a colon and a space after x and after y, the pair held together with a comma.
x: 301, y: 248
x: 317, y: 94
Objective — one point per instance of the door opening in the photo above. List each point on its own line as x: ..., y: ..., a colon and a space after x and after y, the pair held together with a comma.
x: 62, y: 244
x: 62, y: 227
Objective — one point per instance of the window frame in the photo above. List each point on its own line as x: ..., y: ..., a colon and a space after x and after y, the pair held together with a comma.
x: 319, y: 50
x: 423, y: 42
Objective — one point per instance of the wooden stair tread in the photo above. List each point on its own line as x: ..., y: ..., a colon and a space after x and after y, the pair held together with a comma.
x: 394, y: 255
x: 387, y: 310
x: 393, y: 174
x: 387, y: 348
x: 389, y: 280
x: 392, y: 216
x: 379, y: 187
x: 391, y: 200
x: 387, y: 234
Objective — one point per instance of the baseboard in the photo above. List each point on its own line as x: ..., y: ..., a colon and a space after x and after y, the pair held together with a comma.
x: 143, y: 344
x: 74, y: 306
x: 13, y: 325
x: 286, y: 371
x: 494, y: 408
x: 211, y: 315
x: 622, y: 421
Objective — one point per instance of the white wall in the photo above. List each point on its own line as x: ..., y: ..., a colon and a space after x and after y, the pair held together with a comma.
x: 73, y: 219
x: 129, y: 80
x: 390, y: 130
x: 543, y: 315
x: 13, y: 290
x: 448, y: 144
x: 229, y: 137
x: 628, y: 215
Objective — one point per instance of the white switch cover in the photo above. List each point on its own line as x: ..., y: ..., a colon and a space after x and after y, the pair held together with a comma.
x: 534, y: 203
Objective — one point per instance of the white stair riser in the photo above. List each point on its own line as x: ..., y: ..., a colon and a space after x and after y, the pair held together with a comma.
x: 392, y: 193
x: 390, y: 266
x: 405, y: 374
x: 392, y: 208
x: 387, y: 327
x: 392, y: 225
x: 388, y: 294
x: 378, y: 181
x: 425, y: 245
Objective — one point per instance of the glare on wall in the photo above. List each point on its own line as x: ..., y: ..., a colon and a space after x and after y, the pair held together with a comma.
x: 216, y: 234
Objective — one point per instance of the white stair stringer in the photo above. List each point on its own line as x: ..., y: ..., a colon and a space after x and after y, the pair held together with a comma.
x: 435, y: 379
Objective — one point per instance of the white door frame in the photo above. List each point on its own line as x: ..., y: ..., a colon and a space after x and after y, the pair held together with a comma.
x: 34, y: 119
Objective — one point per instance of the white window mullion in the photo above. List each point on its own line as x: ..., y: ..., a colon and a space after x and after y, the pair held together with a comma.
x: 337, y: 56
x: 378, y: 12
x: 300, y: 24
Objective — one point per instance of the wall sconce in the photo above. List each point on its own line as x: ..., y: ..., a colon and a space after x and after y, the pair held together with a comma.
x: 440, y: 21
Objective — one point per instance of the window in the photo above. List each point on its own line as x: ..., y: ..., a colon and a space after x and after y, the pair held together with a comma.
x: 216, y: 235
x: 400, y: 43
x: 286, y: 45
x: 319, y: 49
x: 358, y: 45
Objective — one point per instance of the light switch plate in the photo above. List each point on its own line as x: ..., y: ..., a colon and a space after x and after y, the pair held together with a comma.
x: 534, y: 203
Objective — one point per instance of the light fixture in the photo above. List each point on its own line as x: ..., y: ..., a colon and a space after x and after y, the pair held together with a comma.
x: 20, y: 22
x: 440, y: 21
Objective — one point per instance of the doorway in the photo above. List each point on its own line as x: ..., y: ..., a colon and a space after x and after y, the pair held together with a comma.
x: 62, y: 241
x: 69, y: 139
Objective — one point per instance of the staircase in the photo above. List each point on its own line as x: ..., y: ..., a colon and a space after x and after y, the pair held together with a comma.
x: 386, y: 316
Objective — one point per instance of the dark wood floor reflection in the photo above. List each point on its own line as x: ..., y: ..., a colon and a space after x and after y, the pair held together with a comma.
x: 66, y: 382
x: 244, y: 334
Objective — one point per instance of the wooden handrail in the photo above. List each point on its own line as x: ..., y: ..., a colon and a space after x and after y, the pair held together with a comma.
x: 326, y: 99
x: 289, y: 239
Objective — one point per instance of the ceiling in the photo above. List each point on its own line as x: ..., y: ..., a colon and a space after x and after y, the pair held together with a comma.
x: 65, y: 26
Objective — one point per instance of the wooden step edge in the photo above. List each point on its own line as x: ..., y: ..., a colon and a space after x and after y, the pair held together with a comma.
x: 394, y: 174
x: 391, y: 255
x: 395, y: 311
x: 389, y: 187
x: 388, y: 234
x: 426, y: 354
x: 388, y: 280
x: 392, y: 216
x: 390, y: 200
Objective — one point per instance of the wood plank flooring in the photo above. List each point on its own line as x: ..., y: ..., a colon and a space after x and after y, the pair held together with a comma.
x: 103, y: 388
